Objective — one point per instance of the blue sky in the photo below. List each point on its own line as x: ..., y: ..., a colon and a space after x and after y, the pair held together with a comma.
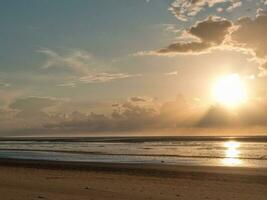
x: 105, y: 28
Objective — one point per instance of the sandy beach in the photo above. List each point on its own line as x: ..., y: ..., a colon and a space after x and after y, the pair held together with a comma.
x: 21, y: 180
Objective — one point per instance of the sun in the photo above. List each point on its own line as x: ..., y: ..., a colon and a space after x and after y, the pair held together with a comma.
x: 230, y: 91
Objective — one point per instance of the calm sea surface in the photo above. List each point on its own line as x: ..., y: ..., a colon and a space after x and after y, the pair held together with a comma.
x: 232, y: 152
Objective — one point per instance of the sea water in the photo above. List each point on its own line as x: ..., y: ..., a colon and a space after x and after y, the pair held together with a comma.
x: 194, y: 151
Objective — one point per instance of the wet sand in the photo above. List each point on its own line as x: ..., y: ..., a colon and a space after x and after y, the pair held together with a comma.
x: 27, y: 180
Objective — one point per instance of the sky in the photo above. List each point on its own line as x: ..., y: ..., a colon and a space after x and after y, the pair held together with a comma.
x: 125, y: 67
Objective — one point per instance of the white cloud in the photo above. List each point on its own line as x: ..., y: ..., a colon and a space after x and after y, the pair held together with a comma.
x: 173, y: 73
x: 67, y: 84
x: 185, y: 9
x: 104, y: 77
x: 78, y: 61
x: 234, y: 6
x: 82, y: 66
x: 4, y: 84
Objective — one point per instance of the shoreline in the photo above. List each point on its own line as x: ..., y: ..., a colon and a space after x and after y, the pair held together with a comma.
x: 164, y: 170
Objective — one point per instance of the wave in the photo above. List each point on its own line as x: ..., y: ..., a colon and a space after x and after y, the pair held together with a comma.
x: 137, y: 139
x: 95, y: 153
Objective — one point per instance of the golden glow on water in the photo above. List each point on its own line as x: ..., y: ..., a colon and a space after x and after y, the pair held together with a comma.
x: 232, y: 144
x: 232, y: 153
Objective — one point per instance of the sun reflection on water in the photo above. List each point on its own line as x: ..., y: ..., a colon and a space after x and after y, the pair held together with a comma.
x: 232, y: 153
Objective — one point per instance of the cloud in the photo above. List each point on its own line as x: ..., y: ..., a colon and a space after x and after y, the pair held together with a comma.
x: 255, y: 114
x: 173, y: 73
x: 31, y: 110
x: 35, y: 103
x: 246, y: 35
x: 210, y: 33
x: 217, y: 116
x: 67, y: 84
x: 234, y: 6
x: 8, y: 95
x: 141, y: 99
x: 4, y: 84
x: 180, y: 113
x: 81, y: 122
x: 213, y: 30
x: 7, y: 117
x: 186, y: 9
x: 190, y: 47
x: 129, y: 118
x: 251, y: 115
x: 81, y: 67
x: 251, y: 34
x: 77, y: 61
x: 134, y: 114
x: 105, y: 77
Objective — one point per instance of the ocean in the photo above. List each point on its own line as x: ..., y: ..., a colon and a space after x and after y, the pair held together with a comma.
x: 192, y: 151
